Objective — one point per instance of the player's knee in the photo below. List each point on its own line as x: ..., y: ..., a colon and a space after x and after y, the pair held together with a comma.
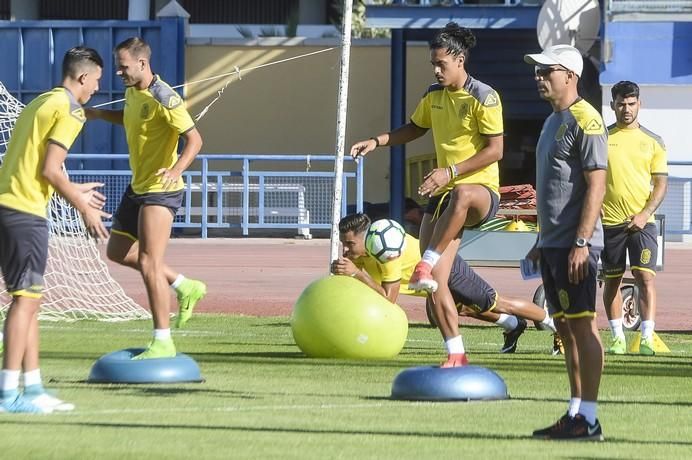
x: 460, y: 198
x: 149, y: 264
x: 643, y: 279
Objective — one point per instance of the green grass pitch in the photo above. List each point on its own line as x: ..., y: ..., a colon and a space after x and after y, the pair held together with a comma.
x: 263, y: 399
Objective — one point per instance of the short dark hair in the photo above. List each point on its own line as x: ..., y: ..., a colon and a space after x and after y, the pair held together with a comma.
x: 455, y: 39
x: 76, y: 58
x: 136, y: 46
x: 356, y: 223
x: 625, y: 89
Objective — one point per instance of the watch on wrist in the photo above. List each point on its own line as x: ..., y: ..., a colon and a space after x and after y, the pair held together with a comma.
x: 581, y: 242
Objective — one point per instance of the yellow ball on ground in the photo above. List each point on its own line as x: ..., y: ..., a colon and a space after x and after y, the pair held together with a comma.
x: 340, y: 317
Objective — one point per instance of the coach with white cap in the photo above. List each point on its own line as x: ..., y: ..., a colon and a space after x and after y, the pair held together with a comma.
x: 571, y: 160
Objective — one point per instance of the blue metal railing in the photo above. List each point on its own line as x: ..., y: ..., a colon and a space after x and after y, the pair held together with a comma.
x: 227, y: 191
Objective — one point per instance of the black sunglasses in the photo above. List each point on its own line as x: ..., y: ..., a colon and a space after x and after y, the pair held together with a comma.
x: 544, y: 71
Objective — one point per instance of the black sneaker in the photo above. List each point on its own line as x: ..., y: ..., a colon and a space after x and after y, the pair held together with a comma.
x: 512, y: 337
x: 558, y: 426
x: 578, y: 429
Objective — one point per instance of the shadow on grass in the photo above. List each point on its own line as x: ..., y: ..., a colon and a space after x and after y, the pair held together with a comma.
x: 292, y: 430
x: 609, y: 402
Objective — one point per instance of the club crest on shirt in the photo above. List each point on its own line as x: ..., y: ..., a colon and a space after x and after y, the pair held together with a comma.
x: 560, y: 133
x: 463, y: 110
x: 145, y: 111
x: 644, y: 147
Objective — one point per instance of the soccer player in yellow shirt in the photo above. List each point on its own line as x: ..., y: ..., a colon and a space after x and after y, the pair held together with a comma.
x: 472, y: 295
x: 465, y: 116
x: 636, y: 158
x: 30, y: 172
x: 154, y: 118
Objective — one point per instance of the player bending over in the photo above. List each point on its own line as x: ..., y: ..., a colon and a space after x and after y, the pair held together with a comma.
x: 470, y: 292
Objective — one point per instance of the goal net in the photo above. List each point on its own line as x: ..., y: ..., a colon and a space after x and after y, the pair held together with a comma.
x: 77, y: 282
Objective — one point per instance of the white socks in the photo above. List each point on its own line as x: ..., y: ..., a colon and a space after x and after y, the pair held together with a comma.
x: 431, y: 257
x: 9, y: 380
x: 32, y: 378
x: 507, y: 322
x: 616, y: 328
x: 573, y: 406
x: 178, y: 280
x: 648, y: 329
x: 162, y: 334
x: 455, y: 345
x: 588, y: 410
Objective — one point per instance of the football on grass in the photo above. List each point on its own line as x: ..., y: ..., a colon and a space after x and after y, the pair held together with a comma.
x: 385, y: 240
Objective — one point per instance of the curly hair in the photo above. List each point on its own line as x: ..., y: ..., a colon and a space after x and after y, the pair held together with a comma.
x: 455, y: 39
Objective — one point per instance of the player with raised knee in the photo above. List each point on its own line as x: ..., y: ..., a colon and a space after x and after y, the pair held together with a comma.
x: 636, y: 159
x: 465, y: 116
x: 154, y: 119
x: 472, y: 295
x: 31, y: 171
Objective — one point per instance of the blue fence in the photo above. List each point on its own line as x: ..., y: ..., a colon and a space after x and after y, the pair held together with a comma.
x: 241, y: 191
x: 32, y: 53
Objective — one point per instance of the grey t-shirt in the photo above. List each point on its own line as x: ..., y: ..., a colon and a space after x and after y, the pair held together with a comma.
x: 572, y: 141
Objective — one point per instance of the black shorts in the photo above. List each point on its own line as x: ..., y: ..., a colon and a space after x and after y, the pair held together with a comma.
x: 469, y: 289
x: 126, y: 218
x: 641, y: 246
x: 23, y: 252
x: 437, y: 205
x: 564, y: 298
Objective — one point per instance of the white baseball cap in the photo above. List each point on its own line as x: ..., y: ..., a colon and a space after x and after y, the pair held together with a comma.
x: 566, y: 56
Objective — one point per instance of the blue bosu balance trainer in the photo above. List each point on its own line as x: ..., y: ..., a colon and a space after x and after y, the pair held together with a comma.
x: 118, y: 367
x: 466, y: 383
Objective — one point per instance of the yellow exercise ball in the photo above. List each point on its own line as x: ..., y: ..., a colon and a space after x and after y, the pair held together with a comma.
x: 340, y: 317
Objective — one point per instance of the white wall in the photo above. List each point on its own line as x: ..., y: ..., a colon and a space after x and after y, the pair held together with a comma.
x: 667, y: 111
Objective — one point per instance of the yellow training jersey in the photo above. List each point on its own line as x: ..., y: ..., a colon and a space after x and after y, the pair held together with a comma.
x: 634, y: 155
x: 460, y: 120
x: 56, y: 117
x: 154, y: 118
x: 399, y: 269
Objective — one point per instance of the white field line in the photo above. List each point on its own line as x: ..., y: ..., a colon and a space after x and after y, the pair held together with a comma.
x: 291, y: 407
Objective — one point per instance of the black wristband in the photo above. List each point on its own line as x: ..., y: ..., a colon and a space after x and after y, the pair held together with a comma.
x: 377, y: 141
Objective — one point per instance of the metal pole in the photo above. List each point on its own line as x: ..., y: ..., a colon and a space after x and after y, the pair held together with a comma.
x: 341, y: 128
x: 397, y: 155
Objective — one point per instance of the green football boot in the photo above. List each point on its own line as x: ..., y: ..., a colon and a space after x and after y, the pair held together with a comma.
x: 158, y: 348
x: 618, y: 346
x: 189, y: 293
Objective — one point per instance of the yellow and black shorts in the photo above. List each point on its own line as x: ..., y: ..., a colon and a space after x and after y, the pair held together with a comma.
x: 641, y: 246
x: 126, y: 218
x: 564, y: 298
x: 437, y: 205
x: 23, y: 252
